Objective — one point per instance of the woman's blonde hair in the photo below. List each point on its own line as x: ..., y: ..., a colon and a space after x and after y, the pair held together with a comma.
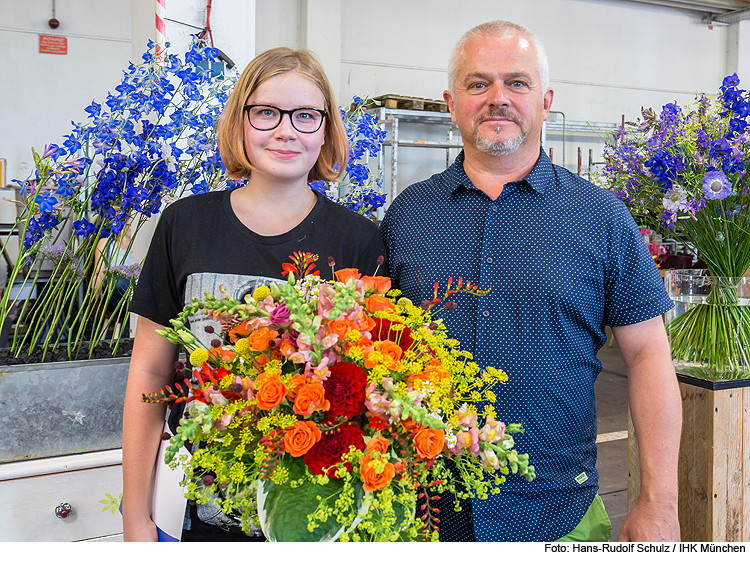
x: 231, y: 130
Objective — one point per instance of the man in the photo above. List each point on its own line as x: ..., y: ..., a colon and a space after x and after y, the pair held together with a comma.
x: 563, y: 259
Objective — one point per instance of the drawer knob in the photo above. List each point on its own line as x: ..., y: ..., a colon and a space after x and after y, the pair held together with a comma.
x: 63, y: 510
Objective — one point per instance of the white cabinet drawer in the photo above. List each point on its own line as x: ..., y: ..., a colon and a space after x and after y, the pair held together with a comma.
x: 28, y: 506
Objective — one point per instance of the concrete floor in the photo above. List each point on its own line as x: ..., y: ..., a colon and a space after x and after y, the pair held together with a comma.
x: 611, y: 389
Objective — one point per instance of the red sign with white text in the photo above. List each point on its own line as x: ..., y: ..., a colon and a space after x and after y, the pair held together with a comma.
x: 53, y: 44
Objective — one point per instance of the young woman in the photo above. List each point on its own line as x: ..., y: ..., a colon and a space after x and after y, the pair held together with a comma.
x: 280, y: 129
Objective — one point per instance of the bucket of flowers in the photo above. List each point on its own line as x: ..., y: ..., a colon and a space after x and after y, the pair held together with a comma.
x: 684, y: 173
x: 331, y: 410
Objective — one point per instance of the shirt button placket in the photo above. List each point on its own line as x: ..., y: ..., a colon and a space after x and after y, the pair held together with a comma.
x: 487, y: 270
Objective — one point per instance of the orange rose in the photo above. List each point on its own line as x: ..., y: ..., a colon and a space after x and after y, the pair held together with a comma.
x: 343, y: 274
x: 311, y: 398
x: 295, y: 385
x: 365, y: 322
x: 372, y: 480
x: 429, y: 442
x: 379, y: 285
x: 260, y: 361
x: 389, y: 349
x: 300, y: 438
x: 260, y: 339
x: 377, y: 303
x: 377, y: 443
x: 287, y: 347
x: 270, y: 393
x: 340, y: 327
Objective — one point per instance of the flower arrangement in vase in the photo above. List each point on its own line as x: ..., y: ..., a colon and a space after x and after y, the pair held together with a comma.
x: 329, y: 410
x: 684, y: 173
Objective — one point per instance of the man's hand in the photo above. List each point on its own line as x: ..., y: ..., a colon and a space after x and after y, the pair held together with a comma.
x: 651, y: 522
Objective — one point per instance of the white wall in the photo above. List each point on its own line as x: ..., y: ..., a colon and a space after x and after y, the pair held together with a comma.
x: 43, y: 93
x: 608, y: 58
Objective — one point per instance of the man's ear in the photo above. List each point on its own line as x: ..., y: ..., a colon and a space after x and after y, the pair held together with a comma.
x: 451, y: 105
x: 548, y: 96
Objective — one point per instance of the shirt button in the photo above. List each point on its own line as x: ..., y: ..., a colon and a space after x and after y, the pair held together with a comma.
x: 490, y: 260
x: 485, y: 313
x: 494, y: 207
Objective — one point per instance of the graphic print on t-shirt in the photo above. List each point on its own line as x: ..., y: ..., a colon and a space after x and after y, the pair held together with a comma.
x: 237, y: 286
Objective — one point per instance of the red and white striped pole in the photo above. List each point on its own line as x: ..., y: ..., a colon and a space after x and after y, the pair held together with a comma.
x: 161, y: 35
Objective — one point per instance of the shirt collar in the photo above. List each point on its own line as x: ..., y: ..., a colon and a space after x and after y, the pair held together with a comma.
x: 541, y: 178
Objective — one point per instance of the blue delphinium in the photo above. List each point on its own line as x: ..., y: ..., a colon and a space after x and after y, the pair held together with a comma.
x: 150, y: 141
x: 704, y: 150
x: 362, y: 189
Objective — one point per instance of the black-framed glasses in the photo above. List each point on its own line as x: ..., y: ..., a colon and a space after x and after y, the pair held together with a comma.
x: 267, y: 117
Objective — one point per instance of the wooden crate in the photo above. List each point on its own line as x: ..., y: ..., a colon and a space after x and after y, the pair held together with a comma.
x: 391, y: 101
x: 714, y: 461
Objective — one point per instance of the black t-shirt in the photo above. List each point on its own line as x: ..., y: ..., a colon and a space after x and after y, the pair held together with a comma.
x: 199, y: 244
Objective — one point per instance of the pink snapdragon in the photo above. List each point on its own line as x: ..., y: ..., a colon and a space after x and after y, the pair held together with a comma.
x: 377, y: 402
x: 492, y: 431
x: 467, y: 440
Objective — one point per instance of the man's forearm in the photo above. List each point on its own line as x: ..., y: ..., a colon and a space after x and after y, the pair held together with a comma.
x: 656, y: 410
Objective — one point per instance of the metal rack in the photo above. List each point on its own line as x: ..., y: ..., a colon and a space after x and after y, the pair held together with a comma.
x: 393, y: 118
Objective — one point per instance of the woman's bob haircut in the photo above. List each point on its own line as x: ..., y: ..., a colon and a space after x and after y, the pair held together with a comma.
x: 231, y: 130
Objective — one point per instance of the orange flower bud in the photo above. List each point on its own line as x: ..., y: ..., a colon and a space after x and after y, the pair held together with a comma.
x: 377, y: 443
x: 343, y: 274
x: 375, y: 303
x: 380, y: 285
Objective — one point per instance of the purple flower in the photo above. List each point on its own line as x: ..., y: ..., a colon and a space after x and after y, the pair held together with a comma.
x: 280, y: 314
x: 716, y: 186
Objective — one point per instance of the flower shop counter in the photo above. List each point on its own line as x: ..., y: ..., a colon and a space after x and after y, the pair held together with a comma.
x: 714, y: 461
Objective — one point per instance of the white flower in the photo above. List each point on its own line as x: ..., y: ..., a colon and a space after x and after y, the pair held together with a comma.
x: 675, y: 200
x: 166, y: 154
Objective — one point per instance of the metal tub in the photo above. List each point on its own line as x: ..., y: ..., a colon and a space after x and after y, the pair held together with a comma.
x: 60, y: 408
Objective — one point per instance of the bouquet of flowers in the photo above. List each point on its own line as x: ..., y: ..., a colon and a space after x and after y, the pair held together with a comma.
x: 327, y: 410
x: 684, y: 173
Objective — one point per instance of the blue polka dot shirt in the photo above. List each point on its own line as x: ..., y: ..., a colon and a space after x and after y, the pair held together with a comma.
x: 562, y: 258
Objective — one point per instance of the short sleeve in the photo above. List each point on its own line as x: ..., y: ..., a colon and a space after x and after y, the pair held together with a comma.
x: 156, y: 296
x: 635, y: 290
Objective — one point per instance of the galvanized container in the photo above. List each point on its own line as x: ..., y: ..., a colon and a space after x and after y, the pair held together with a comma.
x: 60, y: 408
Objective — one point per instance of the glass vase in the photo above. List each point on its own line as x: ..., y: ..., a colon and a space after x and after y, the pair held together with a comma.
x: 709, y: 326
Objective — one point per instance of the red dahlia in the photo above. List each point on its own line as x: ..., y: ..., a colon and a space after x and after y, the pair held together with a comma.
x: 332, y: 445
x: 345, y: 389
